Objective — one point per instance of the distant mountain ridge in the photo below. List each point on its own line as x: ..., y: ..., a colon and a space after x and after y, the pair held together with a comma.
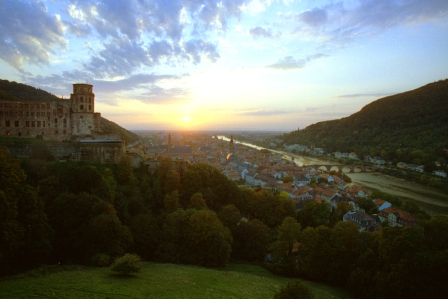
x: 18, y: 91
x: 409, y: 121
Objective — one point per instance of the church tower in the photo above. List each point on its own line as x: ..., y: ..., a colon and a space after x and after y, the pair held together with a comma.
x: 231, y: 145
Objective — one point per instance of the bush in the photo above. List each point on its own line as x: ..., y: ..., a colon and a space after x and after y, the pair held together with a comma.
x: 295, y: 290
x: 100, y: 260
x: 127, y: 264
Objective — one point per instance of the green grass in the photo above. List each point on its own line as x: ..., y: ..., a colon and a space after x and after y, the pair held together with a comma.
x: 154, y: 281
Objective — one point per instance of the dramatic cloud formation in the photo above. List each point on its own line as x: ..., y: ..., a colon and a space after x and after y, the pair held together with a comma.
x: 28, y: 33
x: 225, y: 61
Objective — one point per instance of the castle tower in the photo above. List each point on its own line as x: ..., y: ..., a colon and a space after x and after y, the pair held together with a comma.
x: 84, y: 119
x: 83, y: 98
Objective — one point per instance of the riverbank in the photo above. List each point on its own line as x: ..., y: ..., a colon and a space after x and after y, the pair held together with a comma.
x: 430, y: 200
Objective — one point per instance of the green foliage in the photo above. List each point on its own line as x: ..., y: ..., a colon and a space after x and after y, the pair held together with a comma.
x: 251, y: 241
x: 126, y: 264
x: 197, y: 202
x: 295, y: 290
x: 100, y: 260
x: 385, y: 129
x: 314, y: 214
x: 124, y: 169
x: 23, y: 222
x: 288, y: 236
x: 145, y: 230
x: 368, y: 205
x: 171, y: 202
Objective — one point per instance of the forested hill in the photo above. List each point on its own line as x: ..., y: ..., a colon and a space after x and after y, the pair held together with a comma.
x: 17, y: 91
x: 409, y: 121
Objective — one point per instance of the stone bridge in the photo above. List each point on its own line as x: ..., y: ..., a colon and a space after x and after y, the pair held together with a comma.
x: 340, y: 168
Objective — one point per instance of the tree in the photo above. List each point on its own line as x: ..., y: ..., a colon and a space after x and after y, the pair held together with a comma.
x: 368, y: 205
x: 126, y: 264
x: 124, y: 169
x: 251, y: 241
x: 342, y: 208
x: 171, y: 202
x: 209, y: 241
x: 288, y: 236
x: 314, y: 214
x: 23, y: 222
x: 145, y: 230
x: 172, y: 182
x: 295, y: 290
x: 197, y: 202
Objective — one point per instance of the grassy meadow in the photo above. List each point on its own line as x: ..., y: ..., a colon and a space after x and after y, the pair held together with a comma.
x: 153, y: 281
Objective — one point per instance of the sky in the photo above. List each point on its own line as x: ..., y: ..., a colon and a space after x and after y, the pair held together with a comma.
x: 268, y: 65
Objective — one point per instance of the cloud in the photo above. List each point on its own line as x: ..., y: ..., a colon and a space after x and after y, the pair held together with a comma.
x: 28, y: 33
x: 131, y: 33
x: 159, y: 95
x: 264, y: 113
x: 194, y: 49
x: 260, y: 32
x: 289, y: 63
x: 359, y: 95
x: 314, y: 17
x: 341, y: 22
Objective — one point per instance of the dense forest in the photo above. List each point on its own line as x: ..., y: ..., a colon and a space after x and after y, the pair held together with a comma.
x: 410, y: 127
x: 76, y: 213
x: 18, y: 91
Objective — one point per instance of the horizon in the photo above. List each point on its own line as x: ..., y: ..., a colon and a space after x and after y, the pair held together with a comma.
x: 243, y: 65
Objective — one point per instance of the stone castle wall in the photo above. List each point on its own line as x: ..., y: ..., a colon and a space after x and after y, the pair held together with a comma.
x: 61, y: 119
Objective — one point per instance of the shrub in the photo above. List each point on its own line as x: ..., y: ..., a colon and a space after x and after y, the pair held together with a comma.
x: 295, y: 290
x: 127, y: 264
x: 100, y: 260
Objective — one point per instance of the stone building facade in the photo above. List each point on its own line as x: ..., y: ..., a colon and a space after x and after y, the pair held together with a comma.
x: 62, y: 119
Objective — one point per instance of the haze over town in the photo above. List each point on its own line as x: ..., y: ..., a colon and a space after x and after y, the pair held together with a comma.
x: 234, y: 65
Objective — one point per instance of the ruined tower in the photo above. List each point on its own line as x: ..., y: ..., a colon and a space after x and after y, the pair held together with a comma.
x: 84, y: 118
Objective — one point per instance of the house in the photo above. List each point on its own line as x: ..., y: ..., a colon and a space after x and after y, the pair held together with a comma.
x: 396, y: 217
x: 353, y: 156
x: 440, y: 173
x: 381, y: 204
x: 363, y: 220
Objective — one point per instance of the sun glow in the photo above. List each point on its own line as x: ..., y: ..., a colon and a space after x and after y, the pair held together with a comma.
x: 186, y: 118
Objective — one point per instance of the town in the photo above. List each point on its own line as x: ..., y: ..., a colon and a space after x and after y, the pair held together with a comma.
x: 261, y: 168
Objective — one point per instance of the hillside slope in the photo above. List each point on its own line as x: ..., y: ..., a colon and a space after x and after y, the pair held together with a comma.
x: 18, y: 91
x: 409, y: 121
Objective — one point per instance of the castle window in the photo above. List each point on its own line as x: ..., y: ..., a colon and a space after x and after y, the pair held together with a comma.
x: 81, y: 107
x: 27, y: 123
x: 63, y: 132
x: 33, y: 124
x: 16, y: 123
x: 82, y: 100
x: 56, y: 132
x: 7, y: 133
x: 90, y: 107
x: 43, y: 124
x: 38, y: 123
x: 20, y: 134
x: 55, y: 120
x: 7, y: 123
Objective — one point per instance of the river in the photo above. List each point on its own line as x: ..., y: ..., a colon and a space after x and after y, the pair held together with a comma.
x: 430, y: 200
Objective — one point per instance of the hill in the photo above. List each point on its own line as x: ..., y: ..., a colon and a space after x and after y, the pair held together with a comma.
x: 412, y: 121
x: 17, y: 91
x: 154, y: 281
